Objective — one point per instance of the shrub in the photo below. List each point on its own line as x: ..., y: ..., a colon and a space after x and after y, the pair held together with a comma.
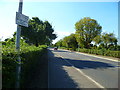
x: 8, y: 66
x: 101, y: 52
x: 29, y: 56
x: 62, y: 47
x: 70, y: 49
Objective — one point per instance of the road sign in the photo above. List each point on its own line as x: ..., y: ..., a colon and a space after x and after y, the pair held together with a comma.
x: 21, y: 19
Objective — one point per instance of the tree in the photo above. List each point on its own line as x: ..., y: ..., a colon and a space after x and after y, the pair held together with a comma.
x: 106, y: 40
x: 70, y: 42
x: 65, y: 42
x: 86, y: 30
x: 109, y: 39
x: 59, y: 43
x: 38, y: 32
x: 49, y: 32
x: 97, y: 39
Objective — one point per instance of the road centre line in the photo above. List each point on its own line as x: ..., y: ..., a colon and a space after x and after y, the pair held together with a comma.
x: 80, y: 71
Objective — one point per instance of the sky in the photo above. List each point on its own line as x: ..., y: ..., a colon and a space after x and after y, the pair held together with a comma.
x: 62, y: 15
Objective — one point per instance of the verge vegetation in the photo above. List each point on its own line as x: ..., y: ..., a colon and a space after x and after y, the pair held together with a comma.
x: 30, y: 55
x: 33, y: 53
x: 89, y: 38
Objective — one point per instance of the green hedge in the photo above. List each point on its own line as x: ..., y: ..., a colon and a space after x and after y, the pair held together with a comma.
x: 30, y: 59
x: 103, y: 52
x: 62, y: 48
x: 29, y: 56
x: 66, y: 48
x: 8, y: 67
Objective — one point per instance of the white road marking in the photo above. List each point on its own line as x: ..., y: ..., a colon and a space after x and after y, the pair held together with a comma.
x: 98, y: 57
x: 93, y: 56
x: 99, y: 85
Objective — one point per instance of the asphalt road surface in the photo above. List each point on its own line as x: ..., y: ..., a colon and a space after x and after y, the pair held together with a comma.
x: 75, y: 70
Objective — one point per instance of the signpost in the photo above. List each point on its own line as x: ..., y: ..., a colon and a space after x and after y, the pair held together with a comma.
x: 21, y: 20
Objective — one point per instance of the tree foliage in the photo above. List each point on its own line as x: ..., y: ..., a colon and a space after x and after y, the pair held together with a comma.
x: 70, y: 42
x: 38, y: 32
x: 86, y: 30
x: 88, y: 33
x: 106, y: 40
x: 59, y: 43
x: 97, y: 39
x: 109, y: 40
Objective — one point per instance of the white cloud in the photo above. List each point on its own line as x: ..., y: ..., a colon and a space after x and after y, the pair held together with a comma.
x: 61, y: 35
x: 8, y: 26
x: 7, y: 31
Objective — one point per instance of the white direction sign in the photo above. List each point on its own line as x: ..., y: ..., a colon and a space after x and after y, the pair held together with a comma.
x: 21, y: 19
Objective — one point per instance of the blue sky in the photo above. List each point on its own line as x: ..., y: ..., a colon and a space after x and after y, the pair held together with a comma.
x: 62, y: 15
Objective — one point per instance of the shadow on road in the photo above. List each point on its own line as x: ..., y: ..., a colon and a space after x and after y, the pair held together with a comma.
x: 59, y: 78
x: 87, y: 64
x: 83, y: 64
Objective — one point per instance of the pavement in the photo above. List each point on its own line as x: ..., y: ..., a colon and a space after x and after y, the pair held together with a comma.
x: 77, y: 70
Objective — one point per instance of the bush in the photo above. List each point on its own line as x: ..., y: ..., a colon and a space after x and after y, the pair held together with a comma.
x: 62, y: 47
x: 113, y: 53
x: 30, y: 60
x: 70, y: 49
x: 101, y: 52
x: 118, y: 47
x: 83, y: 50
x: 8, y: 67
x: 98, y: 51
x: 29, y: 57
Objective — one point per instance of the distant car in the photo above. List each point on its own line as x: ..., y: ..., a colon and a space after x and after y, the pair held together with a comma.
x: 55, y: 48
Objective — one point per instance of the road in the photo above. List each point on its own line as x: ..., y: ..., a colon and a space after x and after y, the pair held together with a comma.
x: 75, y: 70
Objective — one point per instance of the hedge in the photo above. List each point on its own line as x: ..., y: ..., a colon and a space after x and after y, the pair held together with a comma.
x: 29, y: 56
x: 103, y: 52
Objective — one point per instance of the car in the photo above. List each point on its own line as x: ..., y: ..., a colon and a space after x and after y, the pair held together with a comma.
x: 55, y: 48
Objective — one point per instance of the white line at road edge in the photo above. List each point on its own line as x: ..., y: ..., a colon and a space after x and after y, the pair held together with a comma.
x: 94, y: 56
x: 99, y: 85
x: 98, y: 57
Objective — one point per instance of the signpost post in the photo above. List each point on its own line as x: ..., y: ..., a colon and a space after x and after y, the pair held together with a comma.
x: 21, y: 20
